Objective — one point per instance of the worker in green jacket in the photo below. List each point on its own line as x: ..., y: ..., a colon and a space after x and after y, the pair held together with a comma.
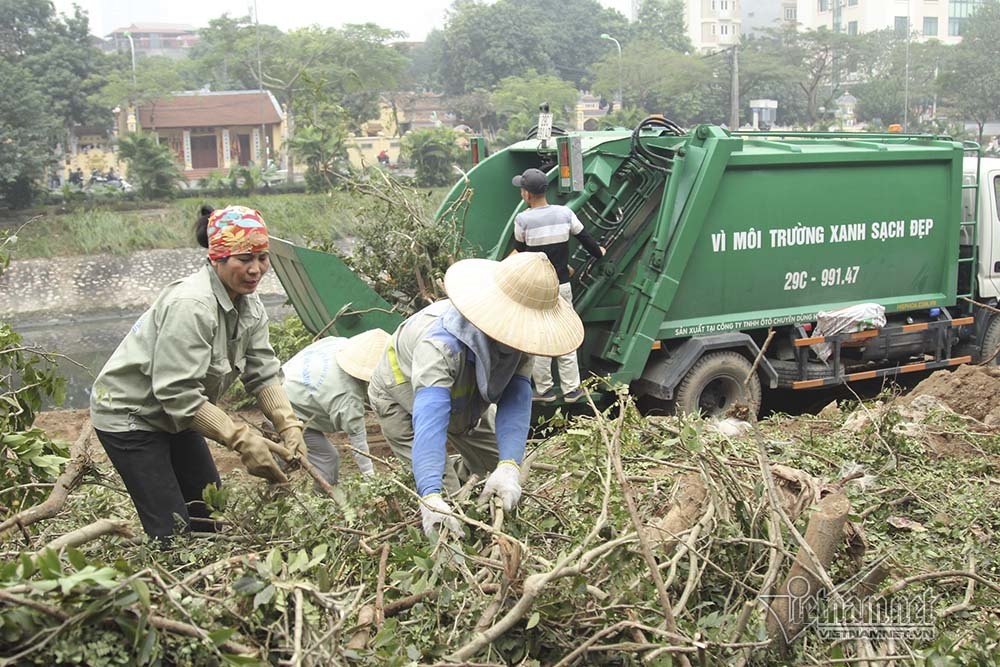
x: 156, y: 399
x: 326, y: 384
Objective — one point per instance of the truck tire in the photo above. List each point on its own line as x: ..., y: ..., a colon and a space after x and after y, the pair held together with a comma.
x: 714, y: 385
x: 991, y: 342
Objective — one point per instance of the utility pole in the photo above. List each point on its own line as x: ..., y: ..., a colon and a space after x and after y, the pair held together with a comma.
x: 906, y: 74
x: 131, y: 48
x: 734, y: 97
x: 618, y: 44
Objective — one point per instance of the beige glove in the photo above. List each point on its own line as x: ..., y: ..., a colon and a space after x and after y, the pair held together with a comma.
x: 273, y: 402
x: 255, y: 453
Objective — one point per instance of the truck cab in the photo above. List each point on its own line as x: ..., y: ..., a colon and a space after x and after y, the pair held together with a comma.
x: 984, y: 202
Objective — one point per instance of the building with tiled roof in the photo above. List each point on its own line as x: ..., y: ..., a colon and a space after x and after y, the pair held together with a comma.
x: 210, y: 131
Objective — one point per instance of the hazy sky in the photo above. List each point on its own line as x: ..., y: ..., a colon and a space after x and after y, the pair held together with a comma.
x: 415, y: 17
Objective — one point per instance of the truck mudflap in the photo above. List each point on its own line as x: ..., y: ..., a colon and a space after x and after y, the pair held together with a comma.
x: 662, y: 375
x: 328, y: 297
x: 938, y: 332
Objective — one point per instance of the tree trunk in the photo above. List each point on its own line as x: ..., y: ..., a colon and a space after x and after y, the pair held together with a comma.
x: 287, y: 146
x: 688, y: 504
x: 801, y: 589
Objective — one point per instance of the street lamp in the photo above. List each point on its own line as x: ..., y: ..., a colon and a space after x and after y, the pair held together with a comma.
x: 609, y: 37
x: 131, y: 46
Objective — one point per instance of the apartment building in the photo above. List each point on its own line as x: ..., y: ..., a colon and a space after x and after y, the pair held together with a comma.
x: 943, y: 20
x: 713, y: 24
x: 173, y: 40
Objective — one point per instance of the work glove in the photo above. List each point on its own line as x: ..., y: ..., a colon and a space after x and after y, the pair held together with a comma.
x: 359, y: 448
x: 504, y: 482
x: 435, y: 512
x: 254, y: 449
x: 273, y: 402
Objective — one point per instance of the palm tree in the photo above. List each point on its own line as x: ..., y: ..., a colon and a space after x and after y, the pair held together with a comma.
x: 433, y: 152
x: 322, y: 149
x: 151, y: 165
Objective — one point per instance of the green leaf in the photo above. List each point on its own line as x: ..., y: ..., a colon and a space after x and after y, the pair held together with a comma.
x: 248, y: 585
x: 48, y: 563
x: 263, y: 597
x: 142, y: 590
x: 318, y: 554
x: 299, y: 563
x: 59, y: 392
x: 533, y: 620
x: 76, y: 559
x: 148, y: 644
x: 388, y: 635
x: 45, y: 586
x: 274, y: 561
x: 220, y: 637
x: 26, y: 567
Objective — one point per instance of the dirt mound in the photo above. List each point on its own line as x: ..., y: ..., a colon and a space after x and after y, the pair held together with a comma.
x: 971, y: 391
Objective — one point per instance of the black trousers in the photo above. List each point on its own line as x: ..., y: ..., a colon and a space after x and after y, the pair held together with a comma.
x: 165, y: 474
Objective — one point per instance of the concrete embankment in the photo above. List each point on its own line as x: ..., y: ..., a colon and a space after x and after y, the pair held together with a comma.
x: 68, y: 288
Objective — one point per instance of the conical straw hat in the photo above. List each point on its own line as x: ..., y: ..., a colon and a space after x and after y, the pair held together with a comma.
x: 516, y: 302
x: 361, y: 353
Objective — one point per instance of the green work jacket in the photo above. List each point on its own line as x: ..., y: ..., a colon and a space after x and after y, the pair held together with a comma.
x: 324, y: 396
x: 188, y: 348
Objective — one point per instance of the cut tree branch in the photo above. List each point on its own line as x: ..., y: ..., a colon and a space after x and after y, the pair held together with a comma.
x: 71, y: 477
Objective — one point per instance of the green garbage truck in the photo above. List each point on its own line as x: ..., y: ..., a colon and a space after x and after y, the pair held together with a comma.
x: 737, y: 261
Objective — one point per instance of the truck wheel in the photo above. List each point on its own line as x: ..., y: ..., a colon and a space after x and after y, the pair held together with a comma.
x: 991, y: 342
x: 714, y: 385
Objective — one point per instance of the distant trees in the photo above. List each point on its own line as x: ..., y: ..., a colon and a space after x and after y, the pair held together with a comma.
x: 47, y: 75
x: 484, y: 43
x: 661, y: 22
x: 516, y: 98
x: 352, y: 65
x: 28, y: 133
x: 657, y: 80
x: 496, y: 61
x: 970, y: 77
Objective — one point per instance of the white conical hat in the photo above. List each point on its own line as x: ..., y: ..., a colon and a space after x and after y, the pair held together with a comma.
x: 361, y: 353
x: 516, y: 302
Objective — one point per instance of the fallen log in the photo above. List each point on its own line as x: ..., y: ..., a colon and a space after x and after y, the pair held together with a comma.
x: 802, y: 587
x: 366, y: 618
x: 72, y: 475
x: 689, y: 500
x: 91, y: 531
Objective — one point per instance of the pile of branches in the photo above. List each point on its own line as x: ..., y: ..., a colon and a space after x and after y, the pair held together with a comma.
x: 658, y: 540
x: 398, y: 247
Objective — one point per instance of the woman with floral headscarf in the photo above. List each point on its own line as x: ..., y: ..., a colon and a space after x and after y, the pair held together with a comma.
x: 156, y: 400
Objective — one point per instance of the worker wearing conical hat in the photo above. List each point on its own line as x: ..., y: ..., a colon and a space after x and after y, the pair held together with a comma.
x: 325, y: 383
x: 459, y: 371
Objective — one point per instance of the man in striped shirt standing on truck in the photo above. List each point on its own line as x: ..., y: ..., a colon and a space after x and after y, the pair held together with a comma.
x: 546, y: 228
